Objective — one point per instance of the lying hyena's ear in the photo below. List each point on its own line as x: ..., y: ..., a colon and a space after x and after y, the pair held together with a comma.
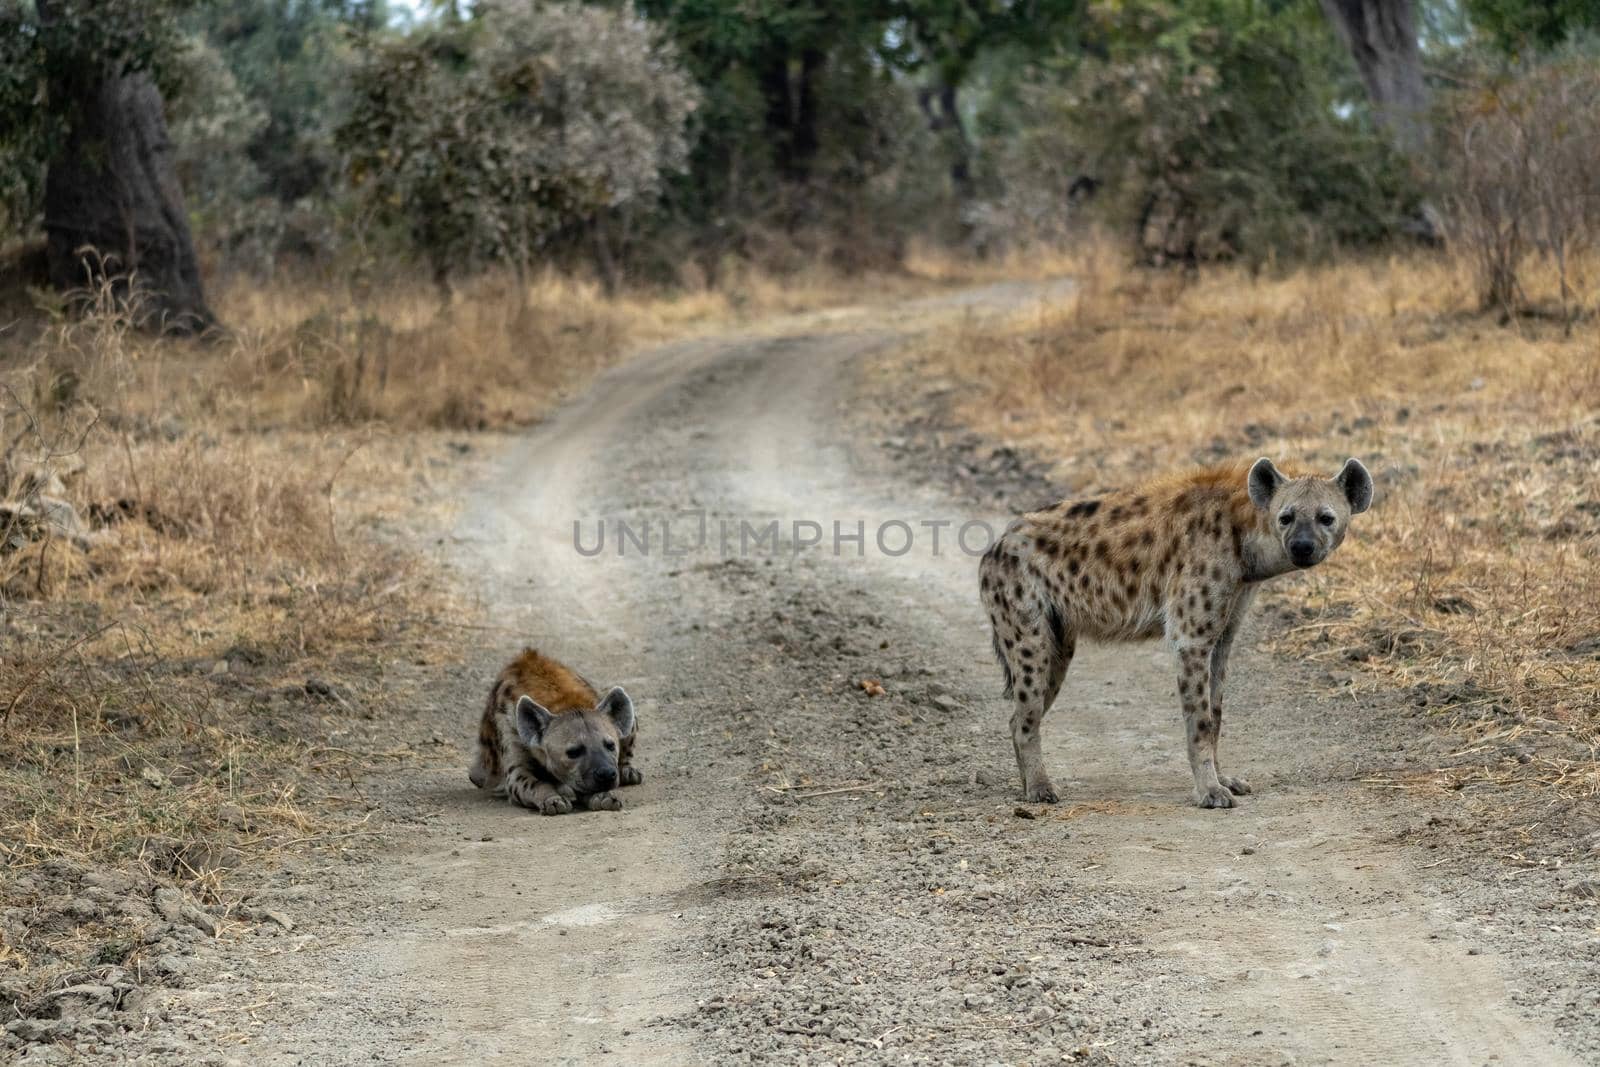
x: 532, y: 721
x: 619, y: 706
x: 1357, y: 485
x: 1264, y: 482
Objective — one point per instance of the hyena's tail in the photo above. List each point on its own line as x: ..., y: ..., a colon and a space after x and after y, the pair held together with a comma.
x: 1016, y: 599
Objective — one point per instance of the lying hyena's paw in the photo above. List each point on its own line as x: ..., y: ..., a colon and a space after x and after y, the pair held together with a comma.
x: 1237, y: 786
x: 630, y: 775
x: 603, y: 802
x: 555, y: 805
x: 1216, y: 796
x: 1041, y: 792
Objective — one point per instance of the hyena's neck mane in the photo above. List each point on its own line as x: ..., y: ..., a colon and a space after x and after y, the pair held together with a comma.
x: 1260, y: 549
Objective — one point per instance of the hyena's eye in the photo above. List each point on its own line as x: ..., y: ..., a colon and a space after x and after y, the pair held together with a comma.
x: 1326, y: 518
x: 1286, y: 518
x: 575, y: 751
x: 611, y: 746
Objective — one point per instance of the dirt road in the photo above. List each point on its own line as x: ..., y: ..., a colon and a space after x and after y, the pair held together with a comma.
x: 813, y: 874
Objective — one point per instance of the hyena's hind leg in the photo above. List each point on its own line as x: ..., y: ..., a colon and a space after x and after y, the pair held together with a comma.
x: 526, y: 790
x: 486, y: 771
x: 1034, y: 645
x: 1036, y: 664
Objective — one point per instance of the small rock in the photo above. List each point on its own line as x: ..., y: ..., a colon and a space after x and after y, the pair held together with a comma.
x: 169, y: 903
x: 1585, y: 888
x: 38, y: 1029
x: 172, y: 965
x: 1023, y: 813
x: 278, y: 917
x: 153, y: 778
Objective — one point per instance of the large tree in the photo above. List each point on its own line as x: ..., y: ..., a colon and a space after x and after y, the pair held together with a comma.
x: 85, y: 127
x: 1382, y: 38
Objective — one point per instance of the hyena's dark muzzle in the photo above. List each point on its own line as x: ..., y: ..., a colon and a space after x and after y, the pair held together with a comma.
x: 600, y: 776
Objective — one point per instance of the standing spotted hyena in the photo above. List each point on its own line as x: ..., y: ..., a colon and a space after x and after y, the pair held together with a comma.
x: 548, y: 741
x: 1179, y: 557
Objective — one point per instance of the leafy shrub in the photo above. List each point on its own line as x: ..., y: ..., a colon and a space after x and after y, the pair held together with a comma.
x: 1220, y: 130
x: 1522, y: 173
x: 212, y: 123
x: 483, y: 139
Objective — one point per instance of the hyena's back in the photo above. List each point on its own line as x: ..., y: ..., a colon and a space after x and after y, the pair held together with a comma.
x: 554, y: 685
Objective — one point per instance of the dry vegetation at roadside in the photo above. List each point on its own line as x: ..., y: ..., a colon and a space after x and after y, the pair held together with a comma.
x: 1473, y: 589
x: 202, y: 597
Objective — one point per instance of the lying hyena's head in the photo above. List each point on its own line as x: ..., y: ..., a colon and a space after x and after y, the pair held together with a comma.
x: 578, y: 747
x: 1309, y: 515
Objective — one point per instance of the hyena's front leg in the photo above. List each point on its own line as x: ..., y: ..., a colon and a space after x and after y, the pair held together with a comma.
x: 1200, y: 725
x: 607, y: 801
x: 1219, y: 674
x: 524, y: 789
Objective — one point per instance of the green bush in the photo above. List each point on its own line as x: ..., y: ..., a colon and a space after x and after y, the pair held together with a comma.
x: 485, y: 139
x: 1222, y: 130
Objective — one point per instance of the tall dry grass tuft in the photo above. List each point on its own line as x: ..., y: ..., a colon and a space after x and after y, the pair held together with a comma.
x: 1472, y: 588
x: 170, y: 579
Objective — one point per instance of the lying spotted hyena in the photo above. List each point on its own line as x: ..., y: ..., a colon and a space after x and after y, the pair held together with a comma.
x: 1179, y: 557
x: 548, y: 740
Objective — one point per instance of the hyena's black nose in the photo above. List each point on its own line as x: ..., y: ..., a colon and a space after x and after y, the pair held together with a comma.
x: 606, y: 777
x: 1302, y: 552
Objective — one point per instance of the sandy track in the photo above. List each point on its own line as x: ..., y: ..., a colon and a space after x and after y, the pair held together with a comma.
x: 812, y: 874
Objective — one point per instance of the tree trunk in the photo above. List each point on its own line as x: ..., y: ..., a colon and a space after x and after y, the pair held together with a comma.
x: 789, y: 86
x: 941, y: 109
x: 113, y: 210
x: 604, y: 260
x: 1382, y: 37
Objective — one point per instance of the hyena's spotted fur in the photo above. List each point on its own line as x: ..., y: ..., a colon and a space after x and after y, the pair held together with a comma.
x: 548, y: 740
x: 1179, y: 557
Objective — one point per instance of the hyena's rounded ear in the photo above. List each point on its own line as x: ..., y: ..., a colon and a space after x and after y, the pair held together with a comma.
x: 532, y: 720
x: 1264, y: 482
x: 619, y: 706
x: 1357, y: 485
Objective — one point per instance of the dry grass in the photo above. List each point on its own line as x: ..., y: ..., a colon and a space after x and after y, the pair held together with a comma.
x: 1473, y: 587
x: 191, y: 670
x: 155, y: 712
x: 498, y: 355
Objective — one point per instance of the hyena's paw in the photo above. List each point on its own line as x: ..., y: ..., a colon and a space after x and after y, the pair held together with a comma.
x: 1041, y: 792
x: 629, y: 775
x: 606, y: 801
x: 1237, y: 786
x: 554, y: 805
x: 1216, y: 796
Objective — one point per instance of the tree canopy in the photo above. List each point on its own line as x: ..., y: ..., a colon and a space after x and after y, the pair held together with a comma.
x: 666, y: 134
